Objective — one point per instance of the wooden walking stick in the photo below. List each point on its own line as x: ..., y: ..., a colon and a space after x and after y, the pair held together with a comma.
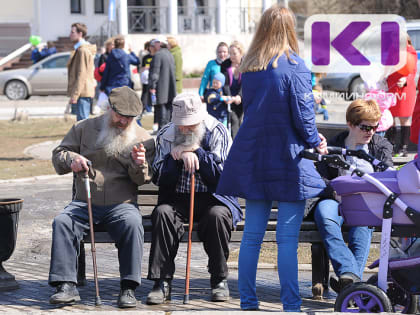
x: 92, y: 237
x: 190, y: 228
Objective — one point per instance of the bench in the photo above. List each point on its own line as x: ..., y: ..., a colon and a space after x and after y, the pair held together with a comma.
x: 308, y: 234
x: 308, y: 231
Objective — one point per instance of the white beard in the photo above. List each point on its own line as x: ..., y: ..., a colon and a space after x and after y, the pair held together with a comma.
x: 191, y: 138
x: 116, y: 142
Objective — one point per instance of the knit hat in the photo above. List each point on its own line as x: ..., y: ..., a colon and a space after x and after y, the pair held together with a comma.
x: 187, y: 109
x: 125, y: 101
x: 219, y: 77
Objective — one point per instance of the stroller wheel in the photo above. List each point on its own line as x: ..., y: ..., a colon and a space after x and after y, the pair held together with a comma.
x: 400, y: 299
x: 362, y: 298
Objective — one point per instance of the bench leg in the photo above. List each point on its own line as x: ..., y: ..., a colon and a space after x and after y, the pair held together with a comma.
x: 320, y: 270
x: 81, y: 270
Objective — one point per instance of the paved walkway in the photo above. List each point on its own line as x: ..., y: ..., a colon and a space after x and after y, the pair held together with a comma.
x: 45, y: 197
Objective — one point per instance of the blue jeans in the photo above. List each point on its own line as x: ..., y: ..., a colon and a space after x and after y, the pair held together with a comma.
x: 289, y: 220
x: 324, y: 112
x: 351, y: 258
x: 82, y: 108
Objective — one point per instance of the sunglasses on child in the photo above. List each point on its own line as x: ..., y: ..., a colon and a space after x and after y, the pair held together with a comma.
x: 368, y: 128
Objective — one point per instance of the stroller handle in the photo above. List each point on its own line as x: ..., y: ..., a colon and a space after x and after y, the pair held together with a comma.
x: 311, y: 154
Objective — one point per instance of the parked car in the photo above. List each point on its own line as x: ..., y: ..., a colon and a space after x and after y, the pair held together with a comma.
x: 352, y: 83
x: 46, y: 77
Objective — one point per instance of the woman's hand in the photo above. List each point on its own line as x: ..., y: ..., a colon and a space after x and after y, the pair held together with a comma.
x: 322, y: 147
x: 237, y: 99
x: 402, y: 82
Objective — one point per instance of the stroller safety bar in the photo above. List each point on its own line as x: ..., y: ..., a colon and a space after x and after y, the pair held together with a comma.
x: 337, y: 160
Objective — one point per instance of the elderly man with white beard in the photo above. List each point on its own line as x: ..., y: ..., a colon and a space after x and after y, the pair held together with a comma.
x: 113, y: 143
x: 193, y: 142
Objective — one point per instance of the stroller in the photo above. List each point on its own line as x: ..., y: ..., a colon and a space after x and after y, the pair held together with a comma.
x: 385, y: 200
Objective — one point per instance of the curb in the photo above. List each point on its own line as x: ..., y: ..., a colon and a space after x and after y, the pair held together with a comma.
x: 34, y: 178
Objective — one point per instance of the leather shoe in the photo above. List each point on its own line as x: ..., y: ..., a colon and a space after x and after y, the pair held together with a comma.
x: 66, y: 292
x: 345, y: 279
x: 220, y: 292
x: 126, y: 298
x: 160, y: 293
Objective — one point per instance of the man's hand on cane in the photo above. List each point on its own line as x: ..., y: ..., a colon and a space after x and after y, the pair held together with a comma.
x: 138, y: 154
x: 79, y: 164
x: 177, y: 151
x: 190, y: 160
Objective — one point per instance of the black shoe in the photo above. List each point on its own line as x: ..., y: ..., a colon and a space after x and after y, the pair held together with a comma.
x: 160, y: 293
x: 343, y: 281
x: 220, y: 292
x: 335, y: 285
x: 66, y: 292
x: 347, y: 278
x: 126, y: 298
x: 404, y: 150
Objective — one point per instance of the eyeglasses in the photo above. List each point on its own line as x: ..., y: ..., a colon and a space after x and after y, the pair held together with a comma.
x: 368, y: 128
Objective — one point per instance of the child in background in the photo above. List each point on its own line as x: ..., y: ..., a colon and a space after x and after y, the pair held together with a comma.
x: 320, y: 104
x: 216, y: 101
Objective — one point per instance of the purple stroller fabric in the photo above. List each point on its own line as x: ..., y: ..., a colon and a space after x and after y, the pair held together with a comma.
x: 362, y: 203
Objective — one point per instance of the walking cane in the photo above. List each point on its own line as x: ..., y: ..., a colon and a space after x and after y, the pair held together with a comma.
x: 92, y: 236
x: 190, y: 228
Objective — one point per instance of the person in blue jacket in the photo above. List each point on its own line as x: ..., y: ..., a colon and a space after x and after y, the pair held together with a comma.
x: 38, y: 55
x: 193, y: 142
x: 216, y: 100
x: 117, y: 70
x: 264, y: 163
x: 213, y: 67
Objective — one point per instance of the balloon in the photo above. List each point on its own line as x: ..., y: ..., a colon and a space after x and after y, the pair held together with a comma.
x: 373, y: 75
x: 35, y: 40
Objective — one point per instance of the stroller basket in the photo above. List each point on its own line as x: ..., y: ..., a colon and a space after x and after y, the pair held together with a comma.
x: 362, y: 202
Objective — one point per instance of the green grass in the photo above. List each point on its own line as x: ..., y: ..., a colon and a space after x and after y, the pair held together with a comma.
x: 17, y: 135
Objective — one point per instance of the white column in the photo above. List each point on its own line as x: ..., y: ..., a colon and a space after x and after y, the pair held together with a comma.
x: 221, y: 17
x: 35, y: 25
x: 265, y: 4
x: 123, y: 18
x: 173, y: 17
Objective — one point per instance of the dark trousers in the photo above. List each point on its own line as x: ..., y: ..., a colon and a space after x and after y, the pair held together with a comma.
x: 236, y: 116
x: 163, y: 113
x: 214, y: 230
x: 123, y: 222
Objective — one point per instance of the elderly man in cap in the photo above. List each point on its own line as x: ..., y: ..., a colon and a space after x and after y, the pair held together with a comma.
x: 193, y: 142
x: 162, y: 81
x: 116, y: 147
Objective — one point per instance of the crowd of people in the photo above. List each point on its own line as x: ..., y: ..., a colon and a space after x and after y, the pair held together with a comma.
x: 257, y: 98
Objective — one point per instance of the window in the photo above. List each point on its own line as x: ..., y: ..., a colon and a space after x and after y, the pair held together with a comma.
x: 415, y: 38
x: 58, y: 62
x: 99, y: 6
x: 75, y: 6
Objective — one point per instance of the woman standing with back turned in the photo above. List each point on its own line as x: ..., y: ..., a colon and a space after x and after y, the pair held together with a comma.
x: 264, y: 163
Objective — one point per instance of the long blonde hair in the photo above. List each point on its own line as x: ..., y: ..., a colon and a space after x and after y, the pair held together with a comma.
x: 274, y: 36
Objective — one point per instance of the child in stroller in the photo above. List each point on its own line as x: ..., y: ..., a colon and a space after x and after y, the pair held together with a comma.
x: 387, y: 200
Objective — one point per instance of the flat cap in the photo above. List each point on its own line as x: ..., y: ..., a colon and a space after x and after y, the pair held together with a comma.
x: 125, y: 101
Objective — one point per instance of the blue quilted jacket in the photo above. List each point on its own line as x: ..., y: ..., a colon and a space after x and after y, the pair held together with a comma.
x: 279, y: 122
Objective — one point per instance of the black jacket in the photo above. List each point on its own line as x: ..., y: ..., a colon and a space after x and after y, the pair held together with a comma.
x: 224, y: 70
x: 379, y: 147
x: 162, y: 76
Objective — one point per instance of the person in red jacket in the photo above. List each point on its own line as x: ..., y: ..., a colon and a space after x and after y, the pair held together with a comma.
x: 403, y: 84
